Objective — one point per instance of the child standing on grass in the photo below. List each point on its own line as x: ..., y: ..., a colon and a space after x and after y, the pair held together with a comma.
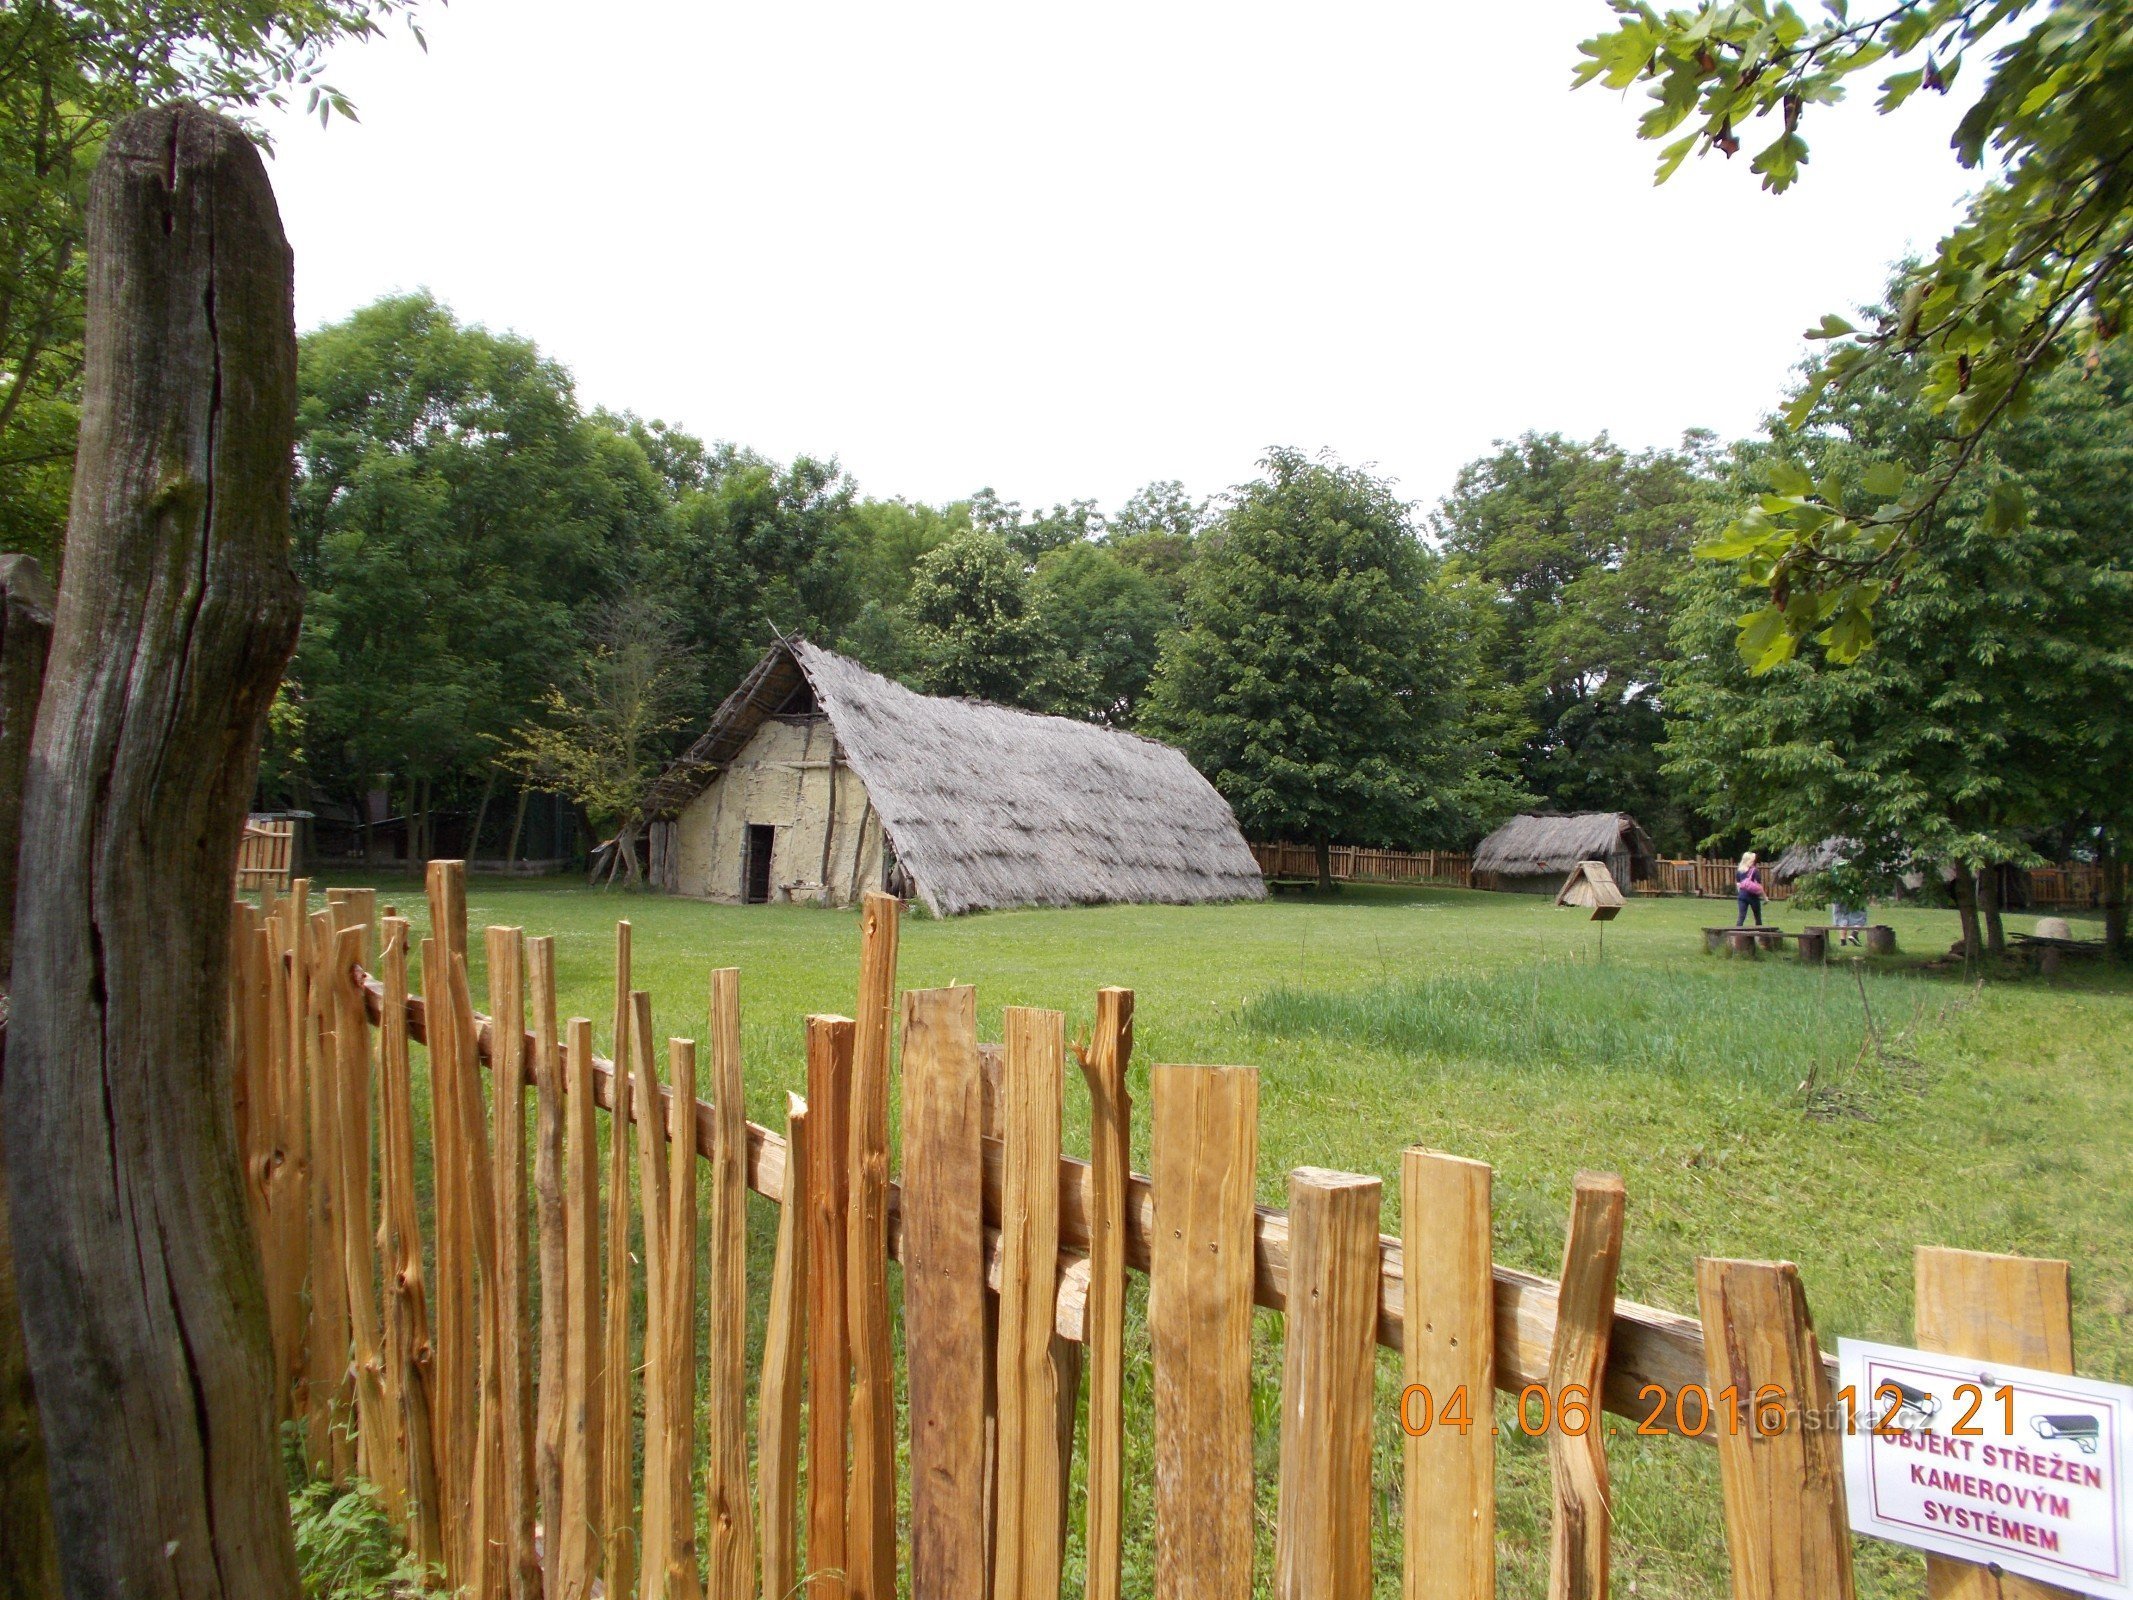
x: 1747, y: 891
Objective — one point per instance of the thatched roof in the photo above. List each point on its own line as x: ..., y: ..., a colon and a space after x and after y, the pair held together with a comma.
x: 989, y: 807
x: 1538, y: 843
x: 1802, y: 859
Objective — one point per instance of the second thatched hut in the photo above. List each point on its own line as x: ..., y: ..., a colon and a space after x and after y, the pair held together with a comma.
x: 1531, y: 854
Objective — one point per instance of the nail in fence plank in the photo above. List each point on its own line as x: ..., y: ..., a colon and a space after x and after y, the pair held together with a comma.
x: 2008, y: 1309
x: 655, y: 1545
x: 1329, y: 1370
x: 1110, y: 1170
x: 574, y: 1527
x: 1584, y: 1318
x: 513, y: 1313
x: 777, y: 1452
x: 1206, y: 1137
x: 729, y: 1553
x: 678, y: 1316
x: 406, y: 1301
x: 1787, y: 1529
x: 548, y: 1215
x: 1026, y: 1542
x: 829, y: 1098
x: 618, y: 1499
x: 870, y: 1523
x: 943, y: 1249
x: 1450, y: 1538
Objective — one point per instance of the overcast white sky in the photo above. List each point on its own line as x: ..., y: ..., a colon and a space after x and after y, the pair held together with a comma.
x: 1066, y: 250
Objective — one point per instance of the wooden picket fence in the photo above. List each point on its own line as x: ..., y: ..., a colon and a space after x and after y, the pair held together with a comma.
x: 1354, y: 863
x: 474, y: 1358
x: 265, y: 853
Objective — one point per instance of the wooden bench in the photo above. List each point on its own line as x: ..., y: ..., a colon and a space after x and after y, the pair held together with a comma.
x: 1749, y: 941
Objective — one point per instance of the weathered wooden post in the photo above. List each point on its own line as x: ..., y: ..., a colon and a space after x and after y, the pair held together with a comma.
x: 32, y: 1569
x: 1814, y: 946
x: 144, y: 1312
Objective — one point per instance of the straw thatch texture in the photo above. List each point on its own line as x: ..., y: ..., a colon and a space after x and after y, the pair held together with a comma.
x: 1538, y: 843
x: 986, y: 807
x: 1802, y: 859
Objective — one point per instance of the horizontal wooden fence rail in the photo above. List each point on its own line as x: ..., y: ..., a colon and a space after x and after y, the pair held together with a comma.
x: 525, y: 1486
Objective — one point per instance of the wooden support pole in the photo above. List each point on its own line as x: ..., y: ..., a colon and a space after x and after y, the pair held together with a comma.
x: 551, y: 1227
x: 508, y: 1286
x: 2011, y: 1310
x: 1329, y: 1370
x: 1110, y: 1170
x: 943, y: 1218
x: 1449, y: 1551
x: 777, y: 1452
x: 870, y: 1523
x: 139, y: 1286
x: 829, y: 1097
x: 617, y: 1498
x: 1584, y: 1318
x: 677, y: 1324
x: 575, y: 1526
x: 1026, y: 1542
x: 1787, y: 1529
x: 729, y: 1550
x: 1206, y: 1137
x: 406, y: 1300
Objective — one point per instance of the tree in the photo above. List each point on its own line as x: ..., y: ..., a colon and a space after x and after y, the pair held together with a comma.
x: 1111, y: 618
x: 69, y: 70
x: 1991, y: 709
x: 1572, y: 545
x: 2040, y: 269
x: 1158, y: 530
x: 1319, y: 681
x: 974, y: 630
x: 605, y: 737
x: 454, y: 513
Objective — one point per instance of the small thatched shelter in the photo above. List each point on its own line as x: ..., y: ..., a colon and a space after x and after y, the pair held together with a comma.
x: 818, y: 780
x: 1591, y: 884
x: 1530, y: 854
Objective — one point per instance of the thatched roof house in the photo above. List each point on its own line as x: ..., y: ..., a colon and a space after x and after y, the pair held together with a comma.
x: 1802, y: 859
x: 1533, y: 852
x: 818, y: 780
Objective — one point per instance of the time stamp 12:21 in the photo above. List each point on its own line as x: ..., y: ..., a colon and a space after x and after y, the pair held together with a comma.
x: 1692, y: 1410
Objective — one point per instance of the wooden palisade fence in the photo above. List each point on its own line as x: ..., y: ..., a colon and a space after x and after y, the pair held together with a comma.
x: 517, y: 1476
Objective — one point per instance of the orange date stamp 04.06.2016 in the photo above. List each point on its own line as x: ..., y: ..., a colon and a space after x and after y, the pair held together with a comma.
x: 1692, y: 1411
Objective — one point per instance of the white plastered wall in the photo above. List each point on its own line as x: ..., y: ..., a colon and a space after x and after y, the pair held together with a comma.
x: 790, y: 777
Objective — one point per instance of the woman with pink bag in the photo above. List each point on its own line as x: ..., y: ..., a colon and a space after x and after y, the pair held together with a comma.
x: 1748, y: 891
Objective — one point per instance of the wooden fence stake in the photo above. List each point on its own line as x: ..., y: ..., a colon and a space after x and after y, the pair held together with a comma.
x: 655, y: 1545
x: 617, y: 1497
x: 677, y: 1314
x: 1787, y: 1528
x: 1026, y: 1546
x: 943, y: 1200
x: 376, y: 1431
x: 330, y: 1448
x: 456, y: 1376
x: 1584, y: 1320
x: 1206, y: 1136
x: 729, y: 1554
x: 575, y: 1526
x: 488, y: 1529
x: 777, y: 1453
x: 1110, y: 1168
x: 1450, y: 1350
x: 1329, y: 1371
x: 829, y: 1097
x: 548, y: 1215
x: 870, y: 1524
x: 2008, y: 1309
x: 406, y: 1301
x: 509, y: 1289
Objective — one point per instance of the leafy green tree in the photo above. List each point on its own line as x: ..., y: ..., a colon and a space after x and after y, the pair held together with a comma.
x: 1111, y: 618
x: 453, y: 513
x: 69, y: 71
x: 1320, y: 681
x: 2040, y: 269
x: 974, y: 630
x: 1572, y: 546
x: 1991, y: 710
x: 1158, y: 531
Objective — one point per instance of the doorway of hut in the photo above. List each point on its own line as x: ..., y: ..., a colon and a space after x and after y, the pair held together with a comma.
x: 761, y: 841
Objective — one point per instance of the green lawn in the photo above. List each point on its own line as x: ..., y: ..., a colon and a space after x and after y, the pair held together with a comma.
x: 1990, y: 1117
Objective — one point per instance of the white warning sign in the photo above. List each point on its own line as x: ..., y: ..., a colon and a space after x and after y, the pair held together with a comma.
x: 1998, y: 1465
